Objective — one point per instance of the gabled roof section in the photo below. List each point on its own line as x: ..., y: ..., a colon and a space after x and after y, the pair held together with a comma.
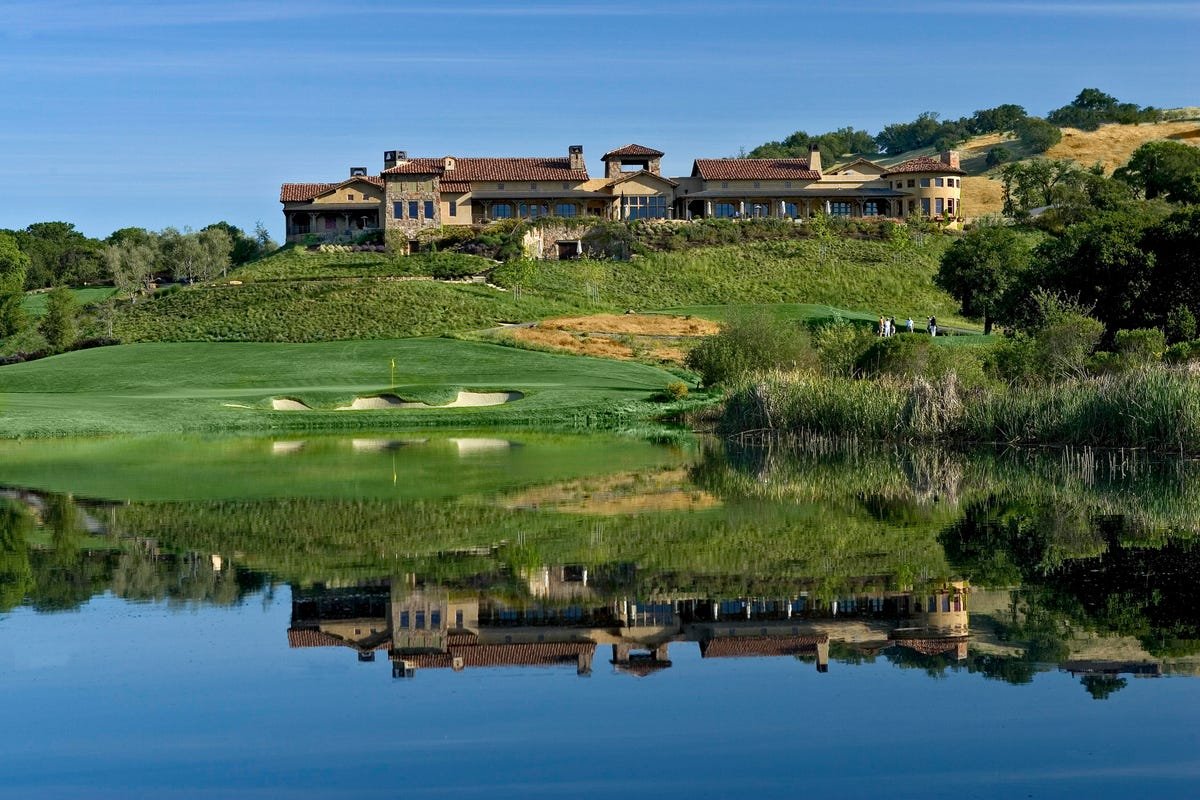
x: 493, y: 169
x: 633, y: 151
x: 642, y: 173
x: 924, y: 164
x: 303, y: 192
x: 754, y: 169
x: 750, y: 646
x: 372, y: 180
x: 860, y: 161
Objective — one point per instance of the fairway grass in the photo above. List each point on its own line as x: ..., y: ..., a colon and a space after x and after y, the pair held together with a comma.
x: 173, y: 387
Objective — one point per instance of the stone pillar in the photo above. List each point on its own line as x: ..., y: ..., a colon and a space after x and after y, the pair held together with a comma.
x: 823, y: 656
x: 583, y: 665
x: 742, y: 208
x: 708, y: 208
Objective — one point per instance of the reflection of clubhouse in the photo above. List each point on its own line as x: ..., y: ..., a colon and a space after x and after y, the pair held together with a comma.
x: 431, y: 627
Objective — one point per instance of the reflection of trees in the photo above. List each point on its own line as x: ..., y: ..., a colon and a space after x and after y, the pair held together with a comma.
x: 142, y: 574
x: 1101, y: 687
x: 16, y: 574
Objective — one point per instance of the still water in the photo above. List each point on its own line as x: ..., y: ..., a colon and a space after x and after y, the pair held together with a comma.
x: 485, y: 615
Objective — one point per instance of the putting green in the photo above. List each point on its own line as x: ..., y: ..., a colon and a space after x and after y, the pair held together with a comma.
x: 162, y: 388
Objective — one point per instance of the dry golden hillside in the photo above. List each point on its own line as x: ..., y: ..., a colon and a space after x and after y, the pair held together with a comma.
x: 1111, y: 145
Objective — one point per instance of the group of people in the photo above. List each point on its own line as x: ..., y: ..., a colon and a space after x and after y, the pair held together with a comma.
x: 887, y: 326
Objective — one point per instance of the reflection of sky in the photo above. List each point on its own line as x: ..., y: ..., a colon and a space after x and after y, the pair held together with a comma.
x: 121, y: 700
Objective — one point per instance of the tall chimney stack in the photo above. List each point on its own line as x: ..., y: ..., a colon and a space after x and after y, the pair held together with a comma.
x: 575, y: 156
x: 950, y: 159
x: 814, y: 158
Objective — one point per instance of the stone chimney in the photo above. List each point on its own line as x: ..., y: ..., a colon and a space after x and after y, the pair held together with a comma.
x: 448, y: 164
x: 358, y: 172
x: 575, y: 156
x: 950, y: 159
x: 814, y: 158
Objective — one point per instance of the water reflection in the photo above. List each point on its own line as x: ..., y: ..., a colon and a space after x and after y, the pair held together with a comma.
x: 570, y: 613
x: 1002, y: 564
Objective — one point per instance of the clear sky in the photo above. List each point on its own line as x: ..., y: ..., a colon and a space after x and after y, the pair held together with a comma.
x: 158, y: 112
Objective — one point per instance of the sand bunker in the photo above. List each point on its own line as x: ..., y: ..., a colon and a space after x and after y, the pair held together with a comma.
x: 286, y: 448
x: 387, y: 402
x: 480, y: 445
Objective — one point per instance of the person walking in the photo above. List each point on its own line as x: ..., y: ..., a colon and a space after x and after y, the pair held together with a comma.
x: 933, y: 326
x: 882, y: 327
x: 891, y: 326
x: 909, y: 325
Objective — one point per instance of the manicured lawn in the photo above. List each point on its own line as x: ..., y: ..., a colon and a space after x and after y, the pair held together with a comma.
x: 164, y: 387
x: 34, y: 303
x: 296, y: 263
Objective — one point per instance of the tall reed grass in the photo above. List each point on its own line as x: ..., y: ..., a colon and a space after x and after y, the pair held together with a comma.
x: 1156, y: 408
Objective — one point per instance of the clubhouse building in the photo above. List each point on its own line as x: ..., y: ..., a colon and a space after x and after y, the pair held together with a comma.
x: 410, y: 194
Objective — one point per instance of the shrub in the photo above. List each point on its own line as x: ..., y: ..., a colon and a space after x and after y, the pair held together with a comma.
x: 917, y: 356
x: 1182, y: 352
x: 1180, y: 325
x: 752, y: 342
x: 1140, y: 347
x: 840, y: 345
x: 676, y: 390
x: 1037, y: 134
x: 998, y: 155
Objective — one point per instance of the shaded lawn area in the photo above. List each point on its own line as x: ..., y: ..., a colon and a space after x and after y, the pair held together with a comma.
x: 34, y: 303
x: 169, y: 387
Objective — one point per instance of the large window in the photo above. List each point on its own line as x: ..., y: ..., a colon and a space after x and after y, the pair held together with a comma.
x: 925, y: 206
x: 939, y: 181
x: 924, y: 183
x: 724, y: 210
x: 939, y: 206
x: 644, y: 207
x: 533, y: 210
x: 412, y: 209
x: 501, y: 211
x: 398, y: 210
x: 789, y: 210
x: 871, y: 208
x: 839, y: 209
x: 428, y: 209
x: 565, y: 210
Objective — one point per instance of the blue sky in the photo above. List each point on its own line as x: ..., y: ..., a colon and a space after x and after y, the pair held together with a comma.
x: 156, y: 113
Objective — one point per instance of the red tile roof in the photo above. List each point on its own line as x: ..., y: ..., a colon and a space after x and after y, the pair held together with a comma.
x: 303, y: 192
x: 308, y: 637
x: 754, y: 169
x: 931, y: 647
x: 503, y: 655
x: 924, y: 164
x: 633, y: 150
x: 745, y: 646
x: 494, y: 169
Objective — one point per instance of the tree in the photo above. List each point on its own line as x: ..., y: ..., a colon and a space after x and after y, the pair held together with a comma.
x: 1166, y: 169
x: 1032, y: 184
x: 59, y: 254
x: 262, y: 237
x: 1037, y: 134
x: 13, y: 267
x: 996, y: 120
x: 978, y: 269
x: 59, y: 324
x: 132, y: 265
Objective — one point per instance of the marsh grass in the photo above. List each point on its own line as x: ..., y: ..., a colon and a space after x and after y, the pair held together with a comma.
x: 1157, y: 409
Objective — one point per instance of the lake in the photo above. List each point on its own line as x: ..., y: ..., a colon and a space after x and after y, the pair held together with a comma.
x: 485, y: 614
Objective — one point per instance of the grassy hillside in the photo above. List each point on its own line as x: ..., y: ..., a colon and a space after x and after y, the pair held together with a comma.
x: 324, y: 310
x: 1110, y: 145
x: 865, y: 276
x: 160, y: 388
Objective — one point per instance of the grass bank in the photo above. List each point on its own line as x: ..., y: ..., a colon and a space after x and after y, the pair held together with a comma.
x: 163, y: 388
x: 1157, y: 409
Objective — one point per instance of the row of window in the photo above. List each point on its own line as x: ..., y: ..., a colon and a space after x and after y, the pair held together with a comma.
x: 935, y: 206
x: 435, y: 620
x: 412, y: 207
x: 644, y: 207
x: 953, y: 183
x: 532, y: 210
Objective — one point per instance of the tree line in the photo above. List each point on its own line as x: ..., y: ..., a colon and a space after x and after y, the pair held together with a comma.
x: 55, y: 254
x: 1089, y: 109
x: 1123, y: 250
